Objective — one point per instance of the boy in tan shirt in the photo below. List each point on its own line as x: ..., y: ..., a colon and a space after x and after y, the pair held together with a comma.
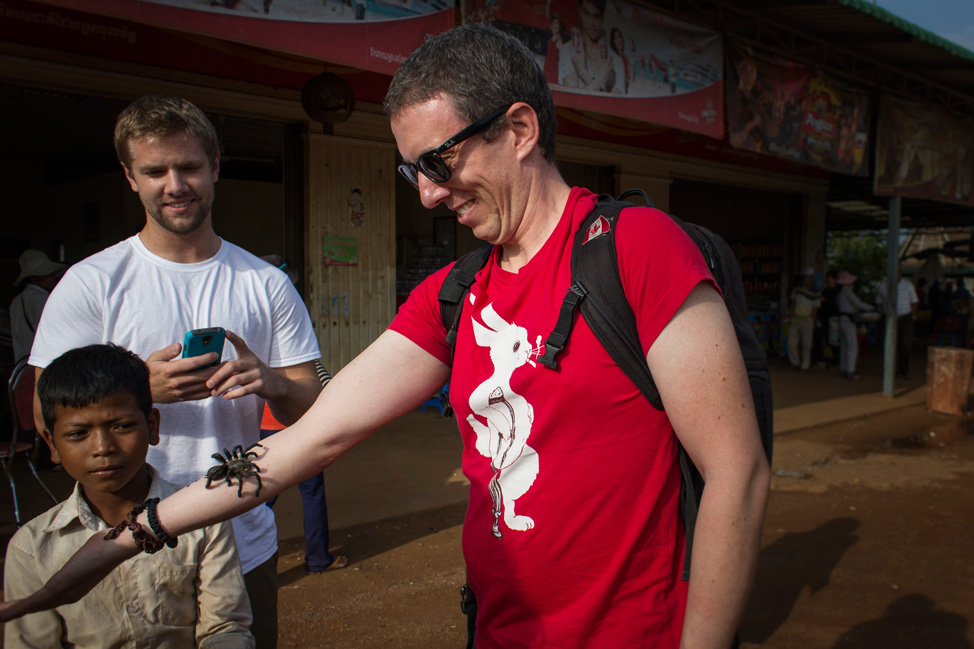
x: 99, y: 423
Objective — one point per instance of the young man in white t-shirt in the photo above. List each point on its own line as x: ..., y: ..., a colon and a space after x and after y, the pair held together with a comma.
x: 176, y: 275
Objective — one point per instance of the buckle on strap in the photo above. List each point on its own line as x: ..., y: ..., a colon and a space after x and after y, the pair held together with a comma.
x: 558, y: 338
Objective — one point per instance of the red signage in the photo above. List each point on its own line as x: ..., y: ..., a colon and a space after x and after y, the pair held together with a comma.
x: 375, y: 35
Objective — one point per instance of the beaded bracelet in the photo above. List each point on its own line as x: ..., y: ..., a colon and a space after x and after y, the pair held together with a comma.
x: 155, y: 526
x: 143, y: 540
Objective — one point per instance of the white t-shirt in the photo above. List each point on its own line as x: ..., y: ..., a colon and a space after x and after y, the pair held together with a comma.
x: 906, y: 296
x: 128, y: 296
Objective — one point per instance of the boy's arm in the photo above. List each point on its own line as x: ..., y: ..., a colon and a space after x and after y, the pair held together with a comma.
x: 20, y: 579
x: 224, y: 608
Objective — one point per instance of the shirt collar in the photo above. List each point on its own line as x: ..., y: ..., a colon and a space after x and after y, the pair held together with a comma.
x: 76, y: 508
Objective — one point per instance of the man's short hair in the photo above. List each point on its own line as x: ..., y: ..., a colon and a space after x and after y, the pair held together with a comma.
x: 86, y: 375
x: 160, y: 116
x: 479, y: 69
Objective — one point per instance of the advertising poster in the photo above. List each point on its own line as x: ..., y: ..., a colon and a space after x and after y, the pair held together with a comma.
x: 339, y: 251
x: 922, y: 152
x: 374, y: 35
x: 792, y: 111
x: 618, y: 58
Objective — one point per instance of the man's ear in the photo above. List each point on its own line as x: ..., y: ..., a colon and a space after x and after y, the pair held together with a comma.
x: 153, y: 420
x: 49, y: 438
x: 128, y: 176
x: 216, y: 168
x: 524, y: 122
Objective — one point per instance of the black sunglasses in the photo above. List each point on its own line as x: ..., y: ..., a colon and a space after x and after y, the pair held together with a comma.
x: 432, y: 164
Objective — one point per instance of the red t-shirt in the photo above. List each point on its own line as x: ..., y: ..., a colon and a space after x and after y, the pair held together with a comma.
x: 572, y: 536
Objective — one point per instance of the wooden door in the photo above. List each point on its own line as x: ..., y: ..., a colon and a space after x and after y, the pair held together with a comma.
x: 351, y: 244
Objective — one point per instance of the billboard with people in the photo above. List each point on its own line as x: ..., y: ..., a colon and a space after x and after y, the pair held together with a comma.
x: 618, y: 58
x: 792, y: 111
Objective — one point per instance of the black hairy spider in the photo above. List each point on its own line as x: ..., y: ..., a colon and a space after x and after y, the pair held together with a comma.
x: 235, y: 465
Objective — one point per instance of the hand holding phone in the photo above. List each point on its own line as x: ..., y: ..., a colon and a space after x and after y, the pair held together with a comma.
x: 203, y: 341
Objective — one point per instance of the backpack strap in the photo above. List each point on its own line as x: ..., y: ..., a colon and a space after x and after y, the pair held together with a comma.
x: 700, y: 239
x: 597, y: 291
x: 563, y: 326
x: 455, y: 287
x: 635, y: 191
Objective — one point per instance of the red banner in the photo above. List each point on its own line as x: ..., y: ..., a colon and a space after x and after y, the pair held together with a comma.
x: 922, y: 152
x: 791, y: 111
x: 375, y: 35
x: 618, y: 58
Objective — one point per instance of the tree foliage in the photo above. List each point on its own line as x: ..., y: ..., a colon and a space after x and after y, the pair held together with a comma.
x: 861, y: 253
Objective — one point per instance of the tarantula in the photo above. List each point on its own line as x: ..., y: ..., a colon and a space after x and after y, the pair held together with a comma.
x: 235, y: 465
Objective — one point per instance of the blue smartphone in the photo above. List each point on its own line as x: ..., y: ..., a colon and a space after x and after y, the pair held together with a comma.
x: 202, y: 341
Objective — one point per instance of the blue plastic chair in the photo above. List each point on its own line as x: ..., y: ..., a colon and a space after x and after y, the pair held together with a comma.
x: 440, y: 401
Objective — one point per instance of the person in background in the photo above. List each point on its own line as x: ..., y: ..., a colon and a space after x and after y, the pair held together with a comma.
x: 554, y: 45
x: 618, y: 43
x: 805, y: 303
x: 317, y: 553
x: 848, y: 304
x: 962, y: 291
x: 921, y: 289
x: 99, y: 423
x: 907, y: 304
x: 827, y: 318
x: 39, y: 275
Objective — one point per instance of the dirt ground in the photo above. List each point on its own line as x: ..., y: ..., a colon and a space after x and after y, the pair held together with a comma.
x: 866, y: 545
x: 866, y: 540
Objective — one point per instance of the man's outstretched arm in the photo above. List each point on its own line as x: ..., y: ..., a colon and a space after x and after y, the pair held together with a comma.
x: 388, y: 379
x: 698, y: 368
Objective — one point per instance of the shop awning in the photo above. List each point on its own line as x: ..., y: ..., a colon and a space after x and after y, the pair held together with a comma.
x: 854, y: 39
x: 374, y: 35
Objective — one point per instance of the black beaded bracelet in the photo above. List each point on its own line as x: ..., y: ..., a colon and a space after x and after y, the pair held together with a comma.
x: 150, y: 512
x: 143, y: 540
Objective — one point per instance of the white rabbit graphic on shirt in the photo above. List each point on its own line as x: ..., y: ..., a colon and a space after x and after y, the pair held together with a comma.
x: 502, y: 419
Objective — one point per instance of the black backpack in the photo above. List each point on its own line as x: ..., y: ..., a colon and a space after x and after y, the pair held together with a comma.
x: 600, y: 297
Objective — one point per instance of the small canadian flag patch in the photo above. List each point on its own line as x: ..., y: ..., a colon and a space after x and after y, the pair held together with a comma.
x: 599, y: 227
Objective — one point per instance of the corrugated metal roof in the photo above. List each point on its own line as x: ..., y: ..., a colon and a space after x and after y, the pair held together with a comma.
x: 879, y: 13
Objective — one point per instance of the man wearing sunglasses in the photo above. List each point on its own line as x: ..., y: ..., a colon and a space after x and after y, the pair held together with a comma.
x: 577, y: 541
x: 572, y: 536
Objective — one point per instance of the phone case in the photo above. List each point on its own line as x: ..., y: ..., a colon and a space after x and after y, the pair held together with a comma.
x: 203, y: 341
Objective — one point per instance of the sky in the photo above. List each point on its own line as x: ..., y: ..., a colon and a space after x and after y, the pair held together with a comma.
x: 951, y: 19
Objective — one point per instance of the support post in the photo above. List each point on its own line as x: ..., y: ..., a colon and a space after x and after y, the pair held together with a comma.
x: 892, y: 278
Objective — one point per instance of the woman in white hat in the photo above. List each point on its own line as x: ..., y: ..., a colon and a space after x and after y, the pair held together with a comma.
x: 848, y: 303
